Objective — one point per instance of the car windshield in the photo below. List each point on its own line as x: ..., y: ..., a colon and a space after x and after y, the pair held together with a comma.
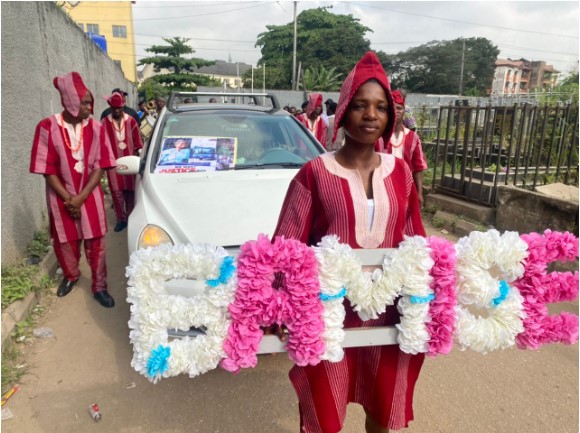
x: 230, y: 140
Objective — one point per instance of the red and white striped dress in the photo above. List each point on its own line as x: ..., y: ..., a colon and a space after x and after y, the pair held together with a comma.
x: 50, y: 155
x: 323, y: 199
x: 318, y: 128
x: 410, y: 149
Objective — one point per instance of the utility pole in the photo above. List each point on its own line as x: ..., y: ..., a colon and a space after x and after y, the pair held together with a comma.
x: 461, y: 74
x: 294, y: 84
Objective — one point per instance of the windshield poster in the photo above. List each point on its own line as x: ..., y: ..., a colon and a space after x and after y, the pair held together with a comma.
x: 193, y: 154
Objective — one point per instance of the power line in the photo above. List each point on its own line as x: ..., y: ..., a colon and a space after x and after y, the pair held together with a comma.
x: 197, y: 39
x: 463, y: 22
x: 535, y: 49
x: 192, y: 5
x: 260, y: 4
x: 208, y: 49
x: 140, y: 5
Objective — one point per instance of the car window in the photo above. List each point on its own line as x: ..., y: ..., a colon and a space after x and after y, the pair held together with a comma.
x: 213, y: 141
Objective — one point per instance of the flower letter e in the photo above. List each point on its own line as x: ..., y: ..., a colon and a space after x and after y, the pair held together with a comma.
x: 539, y: 288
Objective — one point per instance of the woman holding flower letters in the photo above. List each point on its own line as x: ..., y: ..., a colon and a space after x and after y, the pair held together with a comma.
x: 368, y: 200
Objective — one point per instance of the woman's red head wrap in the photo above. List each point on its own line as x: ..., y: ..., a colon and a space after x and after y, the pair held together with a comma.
x: 368, y: 67
x: 314, y: 100
x: 72, y: 89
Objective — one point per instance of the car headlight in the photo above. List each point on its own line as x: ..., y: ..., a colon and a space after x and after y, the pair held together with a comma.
x: 153, y: 235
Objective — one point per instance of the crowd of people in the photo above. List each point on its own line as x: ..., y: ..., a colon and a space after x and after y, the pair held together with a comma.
x: 367, y: 189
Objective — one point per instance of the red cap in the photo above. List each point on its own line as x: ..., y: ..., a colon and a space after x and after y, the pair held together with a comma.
x: 72, y: 89
x: 116, y: 100
x: 314, y: 100
x: 398, y: 98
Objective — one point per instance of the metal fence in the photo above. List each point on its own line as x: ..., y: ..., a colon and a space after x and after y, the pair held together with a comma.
x: 478, y: 148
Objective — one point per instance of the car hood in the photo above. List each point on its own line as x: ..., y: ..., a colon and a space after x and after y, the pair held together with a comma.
x: 221, y: 208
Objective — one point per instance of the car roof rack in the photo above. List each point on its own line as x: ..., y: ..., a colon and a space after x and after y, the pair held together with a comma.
x: 176, y: 98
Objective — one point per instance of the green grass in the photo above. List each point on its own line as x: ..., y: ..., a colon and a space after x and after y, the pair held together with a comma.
x: 13, y: 362
x: 17, y: 282
x: 13, y: 367
x: 39, y: 245
x: 437, y: 222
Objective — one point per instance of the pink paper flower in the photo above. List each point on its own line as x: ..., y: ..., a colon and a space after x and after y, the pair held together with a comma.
x: 257, y: 303
x: 539, y: 288
x: 442, y: 308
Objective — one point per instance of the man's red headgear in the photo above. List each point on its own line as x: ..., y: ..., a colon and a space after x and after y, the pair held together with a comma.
x: 398, y: 97
x: 116, y: 100
x: 368, y: 67
x: 72, y: 89
x: 314, y: 100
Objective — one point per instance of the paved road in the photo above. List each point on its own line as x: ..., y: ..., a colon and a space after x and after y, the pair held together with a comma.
x: 89, y: 358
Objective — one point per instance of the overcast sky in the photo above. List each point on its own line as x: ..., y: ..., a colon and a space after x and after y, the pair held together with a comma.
x: 227, y: 30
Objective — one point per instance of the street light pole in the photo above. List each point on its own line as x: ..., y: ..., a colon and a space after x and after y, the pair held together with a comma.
x: 461, y: 73
x: 294, y: 86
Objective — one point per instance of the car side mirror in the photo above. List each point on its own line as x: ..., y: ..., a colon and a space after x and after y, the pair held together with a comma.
x: 128, y: 165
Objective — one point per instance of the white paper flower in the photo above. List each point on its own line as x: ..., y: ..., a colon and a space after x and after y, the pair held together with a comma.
x: 405, y: 272
x: 484, y: 260
x: 154, y: 310
x: 412, y: 262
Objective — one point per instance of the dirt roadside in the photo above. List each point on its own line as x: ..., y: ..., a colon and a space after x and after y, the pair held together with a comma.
x: 89, y: 360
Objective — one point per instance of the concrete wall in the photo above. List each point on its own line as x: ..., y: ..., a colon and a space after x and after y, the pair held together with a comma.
x: 526, y: 211
x: 39, y: 42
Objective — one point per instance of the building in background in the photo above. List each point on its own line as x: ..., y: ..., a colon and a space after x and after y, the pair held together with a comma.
x: 543, y: 76
x: 515, y: 77
x: 228, y: 73
x: 511, y: 77
x: 112, y: 21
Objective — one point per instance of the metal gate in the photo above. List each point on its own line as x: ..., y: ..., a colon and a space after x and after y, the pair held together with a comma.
x: 478, y: 148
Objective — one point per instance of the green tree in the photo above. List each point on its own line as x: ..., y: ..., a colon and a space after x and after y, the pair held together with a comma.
x: 181, y: 76
x: 273, y: 75
x: 324, y: 40
x: 435, y: 67
x: 326, y: 80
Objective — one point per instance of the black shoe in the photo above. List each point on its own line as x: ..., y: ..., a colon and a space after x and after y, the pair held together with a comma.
x: 121, y: 225
x: 65, y: 287
x: 104, y: 299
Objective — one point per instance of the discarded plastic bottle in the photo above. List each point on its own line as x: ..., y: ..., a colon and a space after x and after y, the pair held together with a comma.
x: 95, y: 412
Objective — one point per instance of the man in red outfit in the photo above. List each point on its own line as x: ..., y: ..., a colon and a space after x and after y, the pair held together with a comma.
x: 406, y: 144
x: 125, y: 138
x: 71, y: 150
x: 313, y: 121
